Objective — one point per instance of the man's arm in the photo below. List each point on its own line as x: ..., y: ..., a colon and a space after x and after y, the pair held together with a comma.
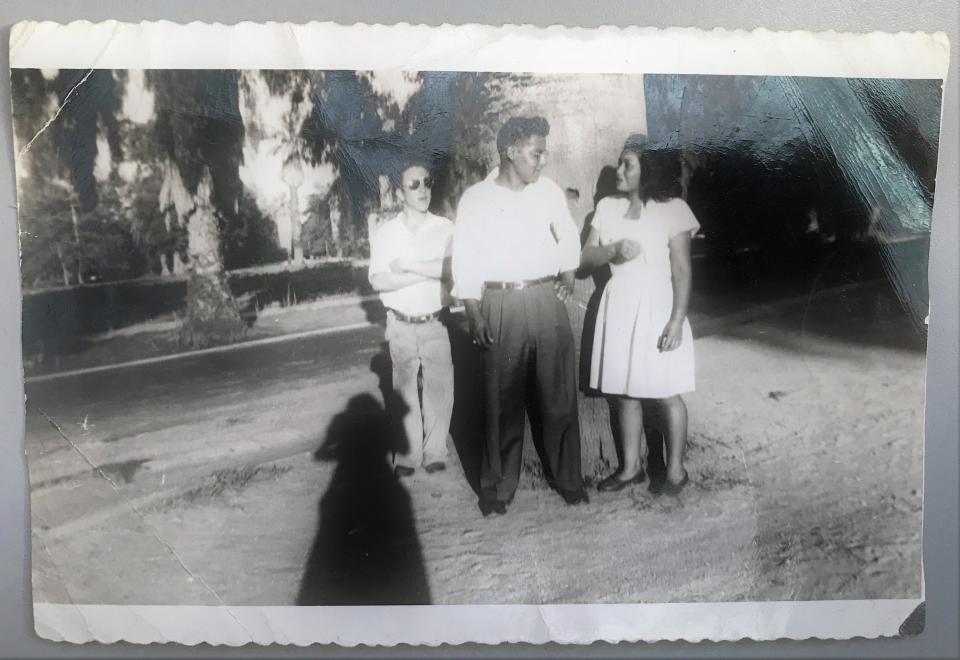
x: 392, y: 281
x: 568, y: 242
x: 467, y: 269
x: 565, y: 283
x: 381, y: 273
x: 431, y: 268
x: 565, y: 232
x: 467, y: 264
x: 482, y: 335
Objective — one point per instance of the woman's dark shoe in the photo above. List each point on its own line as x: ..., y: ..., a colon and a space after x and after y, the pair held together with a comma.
x: 613, y: 483
x: 673, y: 489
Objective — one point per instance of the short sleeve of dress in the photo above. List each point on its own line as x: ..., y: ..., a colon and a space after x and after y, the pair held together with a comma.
x: 600, y: 215
x: 681, y: 218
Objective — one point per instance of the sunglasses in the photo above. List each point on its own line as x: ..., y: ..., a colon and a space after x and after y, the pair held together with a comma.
x: 426, y: 181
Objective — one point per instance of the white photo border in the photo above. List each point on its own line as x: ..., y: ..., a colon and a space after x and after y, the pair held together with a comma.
x: 556, y: 49
x: 485, y: 624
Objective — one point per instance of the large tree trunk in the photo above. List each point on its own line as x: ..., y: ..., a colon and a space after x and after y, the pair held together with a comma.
x: 212, y: 314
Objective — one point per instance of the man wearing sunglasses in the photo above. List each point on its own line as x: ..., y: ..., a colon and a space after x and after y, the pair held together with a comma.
x: 409, y: 257
x: 514, y: 254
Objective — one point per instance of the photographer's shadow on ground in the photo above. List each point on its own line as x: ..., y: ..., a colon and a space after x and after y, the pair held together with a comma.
x: 366, y: 551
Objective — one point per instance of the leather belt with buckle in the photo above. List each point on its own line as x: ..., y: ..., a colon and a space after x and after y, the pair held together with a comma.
x: 425, y: 318
x: 520, y: 284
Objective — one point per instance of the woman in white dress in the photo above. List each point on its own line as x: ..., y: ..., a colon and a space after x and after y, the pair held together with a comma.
x: 643, y: 346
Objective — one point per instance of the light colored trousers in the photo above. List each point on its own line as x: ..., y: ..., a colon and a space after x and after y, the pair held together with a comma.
x: 426, y: 346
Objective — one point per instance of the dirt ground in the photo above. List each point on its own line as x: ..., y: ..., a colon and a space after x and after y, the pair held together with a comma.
x: 805, y: 457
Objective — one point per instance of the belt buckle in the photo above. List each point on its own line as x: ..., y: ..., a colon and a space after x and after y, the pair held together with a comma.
x: 415, y: 320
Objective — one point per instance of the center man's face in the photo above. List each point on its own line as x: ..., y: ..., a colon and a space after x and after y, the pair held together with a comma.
x: 415, y: 186
x: 528, y: 157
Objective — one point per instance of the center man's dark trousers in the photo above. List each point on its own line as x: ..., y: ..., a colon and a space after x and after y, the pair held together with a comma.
x: 529, y: 367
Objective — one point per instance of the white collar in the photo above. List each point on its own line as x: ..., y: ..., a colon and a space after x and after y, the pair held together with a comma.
x: 402, y: 219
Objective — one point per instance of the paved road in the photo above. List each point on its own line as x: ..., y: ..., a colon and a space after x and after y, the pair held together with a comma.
x: 206, y: 376
x: 161, y: 427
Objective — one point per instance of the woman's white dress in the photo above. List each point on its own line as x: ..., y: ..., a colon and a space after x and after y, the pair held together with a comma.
x: 637, y: 303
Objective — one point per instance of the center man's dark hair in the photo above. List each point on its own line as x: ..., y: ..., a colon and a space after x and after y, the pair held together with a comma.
x: 518, y: 129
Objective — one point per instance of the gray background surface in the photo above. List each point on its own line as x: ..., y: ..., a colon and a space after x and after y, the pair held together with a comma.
x: 940, y: 638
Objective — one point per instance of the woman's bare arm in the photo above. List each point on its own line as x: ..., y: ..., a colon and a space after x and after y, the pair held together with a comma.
x: 680, y: 275
x: 595, y: 255
x: 680, y: 278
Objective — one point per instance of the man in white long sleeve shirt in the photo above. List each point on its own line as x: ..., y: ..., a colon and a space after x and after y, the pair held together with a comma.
x: 515, y: 250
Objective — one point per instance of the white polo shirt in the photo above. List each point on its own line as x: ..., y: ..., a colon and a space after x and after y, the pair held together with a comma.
x: 504, y: 235
x: 433, y: 239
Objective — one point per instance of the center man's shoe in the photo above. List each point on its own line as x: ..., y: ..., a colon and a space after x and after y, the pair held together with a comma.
x: 492, y: 507
x: 577, y: 496
x: 435, y: 466
x: 403, y: 471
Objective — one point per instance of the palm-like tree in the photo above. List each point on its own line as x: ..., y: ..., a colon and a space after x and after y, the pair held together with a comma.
x: 200, y: 134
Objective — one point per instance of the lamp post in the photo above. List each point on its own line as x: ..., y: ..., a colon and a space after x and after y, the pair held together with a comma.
x: 293, y: 177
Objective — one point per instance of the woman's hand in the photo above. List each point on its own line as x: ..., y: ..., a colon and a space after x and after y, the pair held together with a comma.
x: 626, y: 250
x: 671, y: 337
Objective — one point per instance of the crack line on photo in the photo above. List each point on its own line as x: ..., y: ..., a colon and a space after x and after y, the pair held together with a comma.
x: 69, y: 95
x: 56, y: 115
x: 96, y: 468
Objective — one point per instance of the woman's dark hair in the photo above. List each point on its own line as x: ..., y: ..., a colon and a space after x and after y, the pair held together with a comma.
x: 659, y: 169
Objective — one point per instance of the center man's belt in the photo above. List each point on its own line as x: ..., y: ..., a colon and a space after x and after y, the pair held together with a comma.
x: 425, y: 318
x: 519, y: 284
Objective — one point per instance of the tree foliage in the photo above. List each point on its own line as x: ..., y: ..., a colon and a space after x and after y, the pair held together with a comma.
x: 450, y: 122
x: 83, y: 225
x: 80, y: 223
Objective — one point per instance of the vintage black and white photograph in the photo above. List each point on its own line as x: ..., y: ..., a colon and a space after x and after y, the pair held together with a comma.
x: 328, y: 337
